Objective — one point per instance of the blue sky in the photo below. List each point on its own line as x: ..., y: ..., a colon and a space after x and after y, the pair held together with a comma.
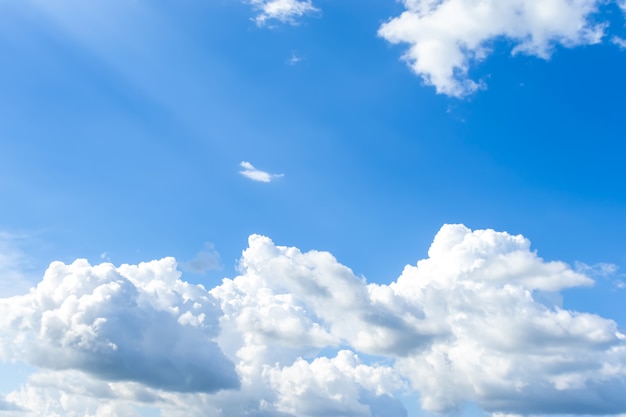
x: 124, y: 127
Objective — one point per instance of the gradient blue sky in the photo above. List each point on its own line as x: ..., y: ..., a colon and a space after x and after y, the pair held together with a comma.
x: 123, y: 125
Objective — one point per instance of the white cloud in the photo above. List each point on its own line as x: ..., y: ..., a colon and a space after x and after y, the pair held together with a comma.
x: 621, y: 42
x: 445, y: 37
x: 601, y: 269
x: 285, y: 11
x: 504, y: 350
x: 322, y: 301
x: 9, y: 406
x: 132, y: 323
x: 466, y: 324
x: 75, y: 394
x: 336, y: 387
x: 462, y: 325
x: 249, y: 171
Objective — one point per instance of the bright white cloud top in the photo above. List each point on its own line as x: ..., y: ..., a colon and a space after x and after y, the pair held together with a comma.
x: 286, y: 336
x: 284, y: 11
x: 249, y: 171
x: 445, y: 37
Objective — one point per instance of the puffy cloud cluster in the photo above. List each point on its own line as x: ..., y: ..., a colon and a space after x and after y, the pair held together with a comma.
x: 298, y: 334
x: 444, y: 37
x: 74, y: 394
x: 341, y: 386
x: 285, y: 11
x: 504, y: 350
x: 132, y: 323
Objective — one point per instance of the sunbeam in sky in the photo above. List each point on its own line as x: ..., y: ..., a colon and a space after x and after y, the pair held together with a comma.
x: 312, y: 208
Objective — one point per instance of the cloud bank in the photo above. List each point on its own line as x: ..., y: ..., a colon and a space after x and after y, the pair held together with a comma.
x: 249, y: 171
x: 284, y: 11
x: 445, y: 37
x: 298, y: 334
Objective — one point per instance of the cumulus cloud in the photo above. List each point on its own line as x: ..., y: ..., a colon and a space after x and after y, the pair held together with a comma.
x: 285, y: 11
x: 336, y: 387
x: 309, y: 299
x: 8, y: 406
x: 249, y: 171
x: 463, y: 325
x: 132, y: 323
x: 504, y: 350
x: 445, y: 37
x: 73, y: 394
x: 287, y: 336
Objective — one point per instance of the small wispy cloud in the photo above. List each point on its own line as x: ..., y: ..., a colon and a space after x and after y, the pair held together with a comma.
x: 603, y: 270
x: 249, y: 171
x: 284, y: 11
x: 599, y: 270
x: 621, y: 42
x: 293, y: 59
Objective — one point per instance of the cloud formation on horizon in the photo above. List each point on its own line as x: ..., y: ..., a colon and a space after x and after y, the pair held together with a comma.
x: 288, y: 337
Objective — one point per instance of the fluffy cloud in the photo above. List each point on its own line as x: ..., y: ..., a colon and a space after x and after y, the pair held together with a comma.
x: 73, y: 394
x: 445, y: 37
x: 285, y: 11
x: 504, y: 350
x: 132, y: 323
x: 249, y: 171
x: 8, y: 406
x: 341, y: 386
x: 469, y: 323
x: 463, y: 325
x: 286, y: 297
